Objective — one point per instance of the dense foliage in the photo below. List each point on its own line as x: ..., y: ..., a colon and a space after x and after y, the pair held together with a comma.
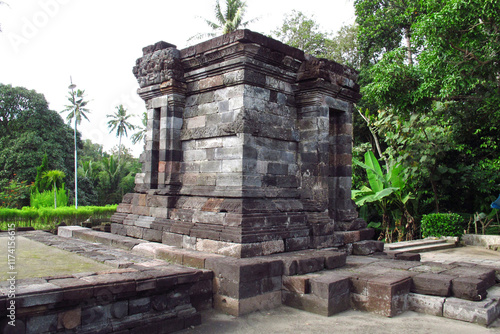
x: 431, y: 91
x: 28, y: 132
x: 35, y: 143
x: 442, y: 224
x: 429, y: 72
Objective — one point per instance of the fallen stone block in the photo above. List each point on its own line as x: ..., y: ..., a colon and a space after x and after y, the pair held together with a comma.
x: 388, y: 296
x: 469, y: 288
x: 432, y: 305
x: 407, y: 256
x: 482, y: 312
x: 432, y: 284
x: 367, y: 247
x: 485, y: 274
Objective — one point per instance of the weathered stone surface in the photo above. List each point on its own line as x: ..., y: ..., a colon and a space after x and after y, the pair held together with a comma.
x: 432, y: 284
x: 243, y: 125
x: 469, y: 288
x: 239, y: 307
x: 481, y: 312
x: 315, y: 304
x: 367, y: 247
x: 298, y: 284
x: 432, y: 305
x: 331, y: 285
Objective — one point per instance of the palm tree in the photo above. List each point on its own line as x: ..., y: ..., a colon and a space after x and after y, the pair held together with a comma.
x: 77, y: 109
x: 54, y: 176
x: 226, y: 21
x: 119, y: 122
x: 141, y: 134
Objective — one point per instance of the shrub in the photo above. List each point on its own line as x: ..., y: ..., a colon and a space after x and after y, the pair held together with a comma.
x: 45, y: 199
x: 442, y: 224
x: 15, y: 194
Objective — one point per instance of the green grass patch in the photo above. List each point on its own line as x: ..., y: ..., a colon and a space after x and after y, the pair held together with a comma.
x: 49, y: 218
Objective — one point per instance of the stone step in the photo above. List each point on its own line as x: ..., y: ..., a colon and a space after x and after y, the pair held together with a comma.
x: 429, y: 248
x: 403, y: 245
x: 482, y: 312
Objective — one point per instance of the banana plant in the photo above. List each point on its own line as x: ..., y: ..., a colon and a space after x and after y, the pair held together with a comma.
x: 385, y: 189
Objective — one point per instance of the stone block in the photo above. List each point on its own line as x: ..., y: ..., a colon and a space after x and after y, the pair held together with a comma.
x: 244, y: 270
x: 432, y: 284
x: 41, y: 324
x: 242, y: 290
x: 367, y: 247
x: 469, y: 288
x: 139, y: 305
x: 309, y: 264
x: 329, y: 285
x: 172, y: 239
x: 315, y: 304
x: 387, y: 296
x: 298, y: 284
x: 432, y: 305
x: 481, y: 312
x: 334, y: 259
x: 67, y: 231
x: 295, y: 244
x: 239, y: 307
x: 152, y: 235
x: 407, y: 256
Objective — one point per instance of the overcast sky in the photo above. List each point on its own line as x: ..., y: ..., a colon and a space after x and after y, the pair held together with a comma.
x: 44, y: 42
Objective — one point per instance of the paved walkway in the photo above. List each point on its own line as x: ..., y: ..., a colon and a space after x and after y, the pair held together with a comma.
x: 467, y: 254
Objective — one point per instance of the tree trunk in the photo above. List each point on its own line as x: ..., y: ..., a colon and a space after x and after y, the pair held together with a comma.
x: 119, y: 147
x: 408, y: 46
x: 55, y: 196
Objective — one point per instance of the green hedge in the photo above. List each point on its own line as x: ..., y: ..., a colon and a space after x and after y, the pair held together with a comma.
x: 442, y: 224
x: 50, y: 217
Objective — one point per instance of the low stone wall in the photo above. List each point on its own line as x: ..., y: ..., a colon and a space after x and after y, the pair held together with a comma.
x: 151, y: 296
x: 481, y: 240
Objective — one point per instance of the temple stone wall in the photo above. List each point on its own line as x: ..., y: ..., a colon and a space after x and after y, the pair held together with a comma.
x: 248, y: 148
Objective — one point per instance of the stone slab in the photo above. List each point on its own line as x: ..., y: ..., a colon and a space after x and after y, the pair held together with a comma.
x: 432, y: 284
x: 432, y: 305
x: 482, y: 312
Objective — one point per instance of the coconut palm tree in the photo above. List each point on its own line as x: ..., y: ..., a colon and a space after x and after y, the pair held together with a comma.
x: 77, y: 109
x: 228, y: 20
x: 119, y: 122
x: 141, y: 134
x: 54, y: 176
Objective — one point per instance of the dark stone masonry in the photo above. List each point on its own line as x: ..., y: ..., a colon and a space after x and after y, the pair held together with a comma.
x: 248, y: 149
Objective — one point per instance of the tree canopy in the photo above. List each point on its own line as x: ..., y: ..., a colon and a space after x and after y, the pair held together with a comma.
x: 28, y: 131
x: 430, y: 85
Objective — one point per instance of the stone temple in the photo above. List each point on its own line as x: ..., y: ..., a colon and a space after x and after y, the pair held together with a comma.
x: 248, y: 149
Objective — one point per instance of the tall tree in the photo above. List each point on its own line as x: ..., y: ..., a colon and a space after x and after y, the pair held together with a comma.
x: 303, y: 33
x: 453, y: 79
x: 76, y: 110
x: 28, y: 131
x: 119, y: 122
x: 227, y: 19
